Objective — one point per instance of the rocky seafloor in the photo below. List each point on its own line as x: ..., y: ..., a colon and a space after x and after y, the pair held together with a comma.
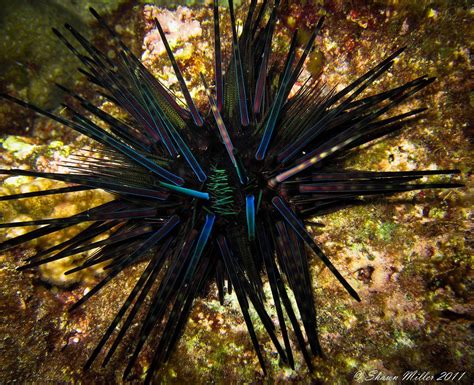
x: 409, y: 257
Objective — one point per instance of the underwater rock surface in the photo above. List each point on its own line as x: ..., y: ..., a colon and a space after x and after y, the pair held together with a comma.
x: 411, y: 257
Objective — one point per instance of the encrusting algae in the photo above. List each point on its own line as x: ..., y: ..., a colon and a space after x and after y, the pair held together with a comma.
x: 409, y: 257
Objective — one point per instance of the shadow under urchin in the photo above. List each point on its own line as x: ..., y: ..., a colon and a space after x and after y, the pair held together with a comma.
x: 218, y: 196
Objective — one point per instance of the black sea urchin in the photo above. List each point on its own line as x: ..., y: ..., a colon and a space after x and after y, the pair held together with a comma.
x: 221, y: 197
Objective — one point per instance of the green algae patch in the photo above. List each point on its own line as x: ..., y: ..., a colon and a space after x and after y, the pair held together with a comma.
x: 20, y: 147
x: 386, y: 230
x: 58, y: 146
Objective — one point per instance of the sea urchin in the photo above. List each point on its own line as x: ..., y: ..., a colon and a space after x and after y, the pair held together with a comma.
x: 220, y: 197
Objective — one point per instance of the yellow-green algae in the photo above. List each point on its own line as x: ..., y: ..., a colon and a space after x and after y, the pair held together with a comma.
x: 51, y: 206
x: 415, y: 311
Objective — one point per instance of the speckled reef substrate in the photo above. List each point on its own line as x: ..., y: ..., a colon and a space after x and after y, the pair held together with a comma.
x: 409, y: 258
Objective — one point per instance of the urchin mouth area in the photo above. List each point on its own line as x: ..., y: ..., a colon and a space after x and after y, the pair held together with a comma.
x: 234, y: 202
x: 227, y: 193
